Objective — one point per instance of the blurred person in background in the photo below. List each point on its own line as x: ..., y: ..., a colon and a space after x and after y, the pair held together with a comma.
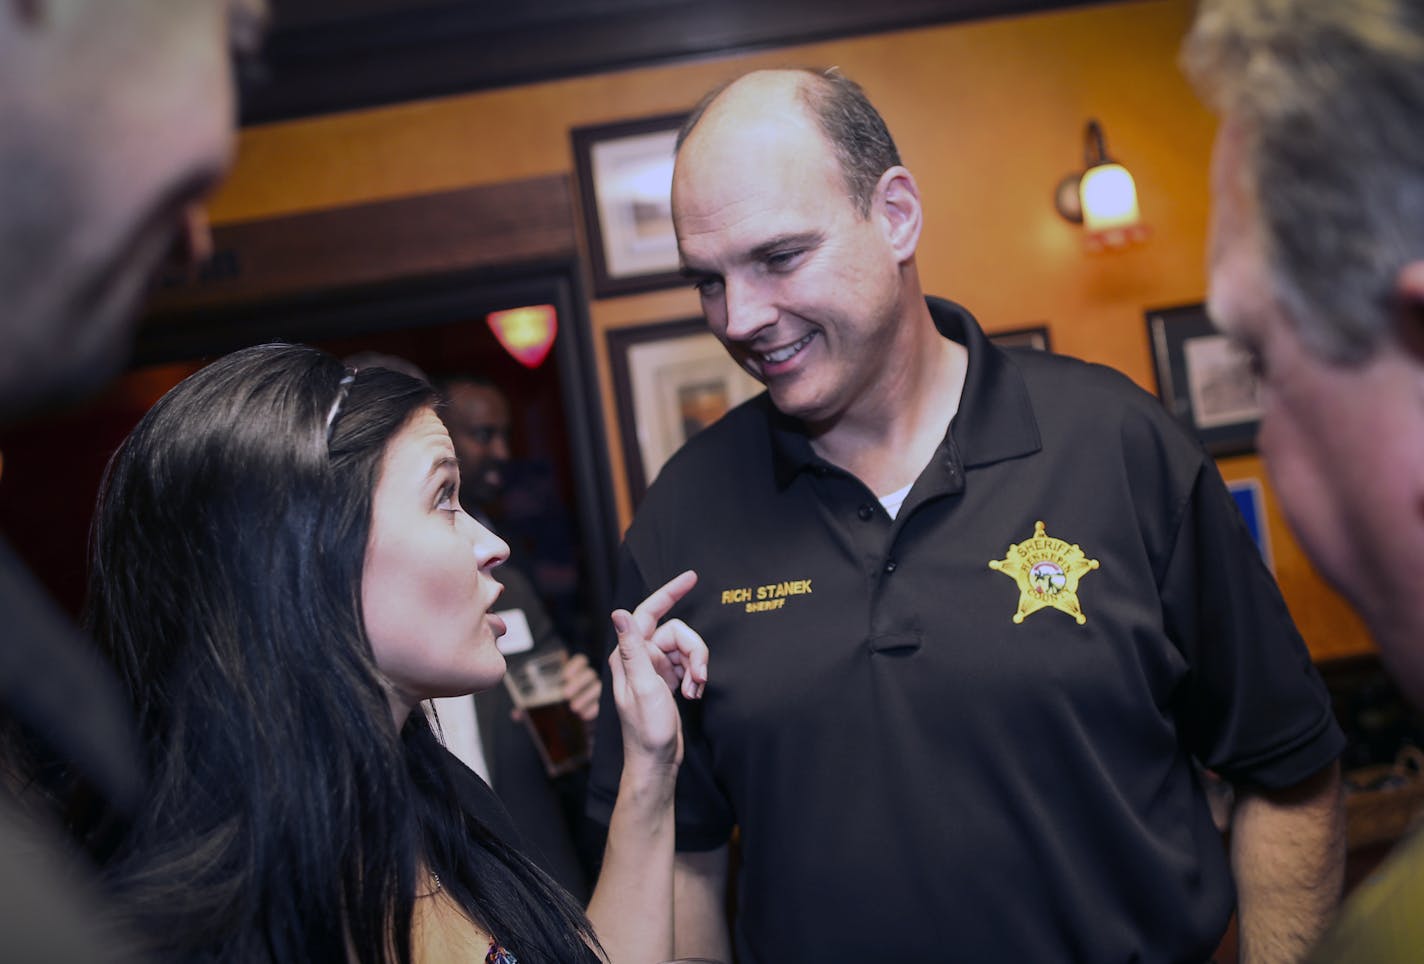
x: 116, y: 121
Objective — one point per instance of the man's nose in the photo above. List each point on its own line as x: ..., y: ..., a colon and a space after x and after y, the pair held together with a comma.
x: 194, y: 242
x: 499, y: 446
x: 749, y: 310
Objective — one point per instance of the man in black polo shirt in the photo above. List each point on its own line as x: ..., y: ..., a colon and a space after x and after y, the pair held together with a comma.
x: 972, y: 613
x: 1317, y: 269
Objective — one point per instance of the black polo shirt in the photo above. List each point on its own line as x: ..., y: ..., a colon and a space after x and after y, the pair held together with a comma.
x: 959, y: 734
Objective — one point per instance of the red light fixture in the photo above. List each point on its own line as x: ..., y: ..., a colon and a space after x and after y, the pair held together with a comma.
x: 526, y: 333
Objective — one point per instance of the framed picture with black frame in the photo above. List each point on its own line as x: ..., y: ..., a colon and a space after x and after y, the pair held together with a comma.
x: 671, y: 379
x: 1205, y: 379
x: 624, y: 173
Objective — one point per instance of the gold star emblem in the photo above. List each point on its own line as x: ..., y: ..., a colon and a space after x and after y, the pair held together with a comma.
x: 1047, y: 571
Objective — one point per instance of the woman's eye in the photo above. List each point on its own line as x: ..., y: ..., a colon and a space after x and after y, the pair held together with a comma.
x: 448, y: 502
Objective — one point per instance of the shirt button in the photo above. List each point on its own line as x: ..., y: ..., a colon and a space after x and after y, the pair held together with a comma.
x: 865, y: 512
x: 891, y: 566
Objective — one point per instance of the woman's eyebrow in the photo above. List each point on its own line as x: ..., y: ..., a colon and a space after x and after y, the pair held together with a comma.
x: 441, y: 462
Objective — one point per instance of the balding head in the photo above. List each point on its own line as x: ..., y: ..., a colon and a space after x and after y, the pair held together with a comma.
x: 805, y: 269
x: 849, y: 124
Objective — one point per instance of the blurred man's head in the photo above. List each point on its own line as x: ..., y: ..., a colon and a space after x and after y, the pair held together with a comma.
x: 116, y: 121
x: 799, y: 227
x: 477, y: 416
x: 1317, y: 269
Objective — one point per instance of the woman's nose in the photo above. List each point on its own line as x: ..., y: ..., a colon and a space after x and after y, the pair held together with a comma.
x: 490, y: 550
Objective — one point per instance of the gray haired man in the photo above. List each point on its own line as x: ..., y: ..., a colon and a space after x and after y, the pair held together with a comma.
x: 1317, y: 269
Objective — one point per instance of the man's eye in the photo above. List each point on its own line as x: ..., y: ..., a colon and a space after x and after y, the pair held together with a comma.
x: 782, y: 260
x: 708, y: 287
x: 1255, y: 361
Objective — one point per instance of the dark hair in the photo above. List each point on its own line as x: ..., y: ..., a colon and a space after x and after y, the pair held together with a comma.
x: 286, y: 818
x: 857, y: 133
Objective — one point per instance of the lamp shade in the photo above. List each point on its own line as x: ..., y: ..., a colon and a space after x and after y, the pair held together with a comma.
x: 1109, y: 198
x: 1103, y: 198
x: 526, y: 333
x: 1110, y: 215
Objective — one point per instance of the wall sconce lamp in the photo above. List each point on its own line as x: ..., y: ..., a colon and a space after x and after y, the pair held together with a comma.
x: 1102, y: 197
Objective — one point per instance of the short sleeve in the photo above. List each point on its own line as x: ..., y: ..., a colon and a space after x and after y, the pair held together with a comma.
x: 1253, y: 708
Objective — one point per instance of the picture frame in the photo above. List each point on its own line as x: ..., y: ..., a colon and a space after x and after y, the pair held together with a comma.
x: 1031, y: 336
x: 670, y: 380
x: 1204, y: 379
x: 624, y: 174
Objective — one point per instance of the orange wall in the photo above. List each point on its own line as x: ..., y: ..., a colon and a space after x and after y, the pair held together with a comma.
x: 988, y: 115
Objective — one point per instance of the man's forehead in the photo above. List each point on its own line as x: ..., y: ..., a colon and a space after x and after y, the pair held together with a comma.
x: 751, y: 116
x: 475, y: 401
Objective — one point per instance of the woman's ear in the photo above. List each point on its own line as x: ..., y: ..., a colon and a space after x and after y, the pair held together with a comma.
x: 897, y: 204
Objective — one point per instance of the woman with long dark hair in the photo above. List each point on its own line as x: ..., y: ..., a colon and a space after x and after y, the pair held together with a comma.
x: 281, y: 572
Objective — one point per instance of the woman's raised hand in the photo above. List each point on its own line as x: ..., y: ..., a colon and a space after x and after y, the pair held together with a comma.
x: 653, y: 659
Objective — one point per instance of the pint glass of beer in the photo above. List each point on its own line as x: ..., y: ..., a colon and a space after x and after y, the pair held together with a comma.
x: 536, y: 684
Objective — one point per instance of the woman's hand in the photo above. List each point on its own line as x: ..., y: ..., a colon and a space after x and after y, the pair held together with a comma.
x: 652, y: 661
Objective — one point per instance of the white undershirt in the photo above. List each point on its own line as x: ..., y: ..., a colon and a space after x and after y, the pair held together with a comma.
x: 459, y: 730
x: 894, y: 500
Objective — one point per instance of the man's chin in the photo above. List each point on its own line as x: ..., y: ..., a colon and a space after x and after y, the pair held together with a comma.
x: 57, y: 388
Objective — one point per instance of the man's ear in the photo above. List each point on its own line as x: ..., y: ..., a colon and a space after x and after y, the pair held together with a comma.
x: 897, y: 203
x: 1409, y: 310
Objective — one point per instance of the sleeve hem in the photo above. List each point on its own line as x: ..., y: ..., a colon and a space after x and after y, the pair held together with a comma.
x: 1285, y: 766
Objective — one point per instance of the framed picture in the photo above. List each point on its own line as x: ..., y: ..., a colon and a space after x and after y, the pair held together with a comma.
x: 1034, y: 336
x: 1248, y: 498
x: 670, y: 380
x: 624, y: 176
x: 1204, y: 379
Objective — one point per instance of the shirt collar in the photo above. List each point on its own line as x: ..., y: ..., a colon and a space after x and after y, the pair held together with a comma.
x: 995, y: 419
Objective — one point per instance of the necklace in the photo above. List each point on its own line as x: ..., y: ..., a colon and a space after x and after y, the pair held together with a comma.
x: 496, y: 954
x: 438, y: 886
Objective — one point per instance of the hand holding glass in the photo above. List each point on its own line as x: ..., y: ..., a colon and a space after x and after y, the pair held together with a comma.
x: 536, y: 685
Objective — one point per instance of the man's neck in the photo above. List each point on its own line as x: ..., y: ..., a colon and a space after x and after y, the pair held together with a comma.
x: 888, y: 440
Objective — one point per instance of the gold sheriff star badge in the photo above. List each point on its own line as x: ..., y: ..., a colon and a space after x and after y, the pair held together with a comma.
x: 1047, y: 571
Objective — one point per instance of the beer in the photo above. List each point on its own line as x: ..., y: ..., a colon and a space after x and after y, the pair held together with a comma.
x: 561, y: 736
x: 536, y: 685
